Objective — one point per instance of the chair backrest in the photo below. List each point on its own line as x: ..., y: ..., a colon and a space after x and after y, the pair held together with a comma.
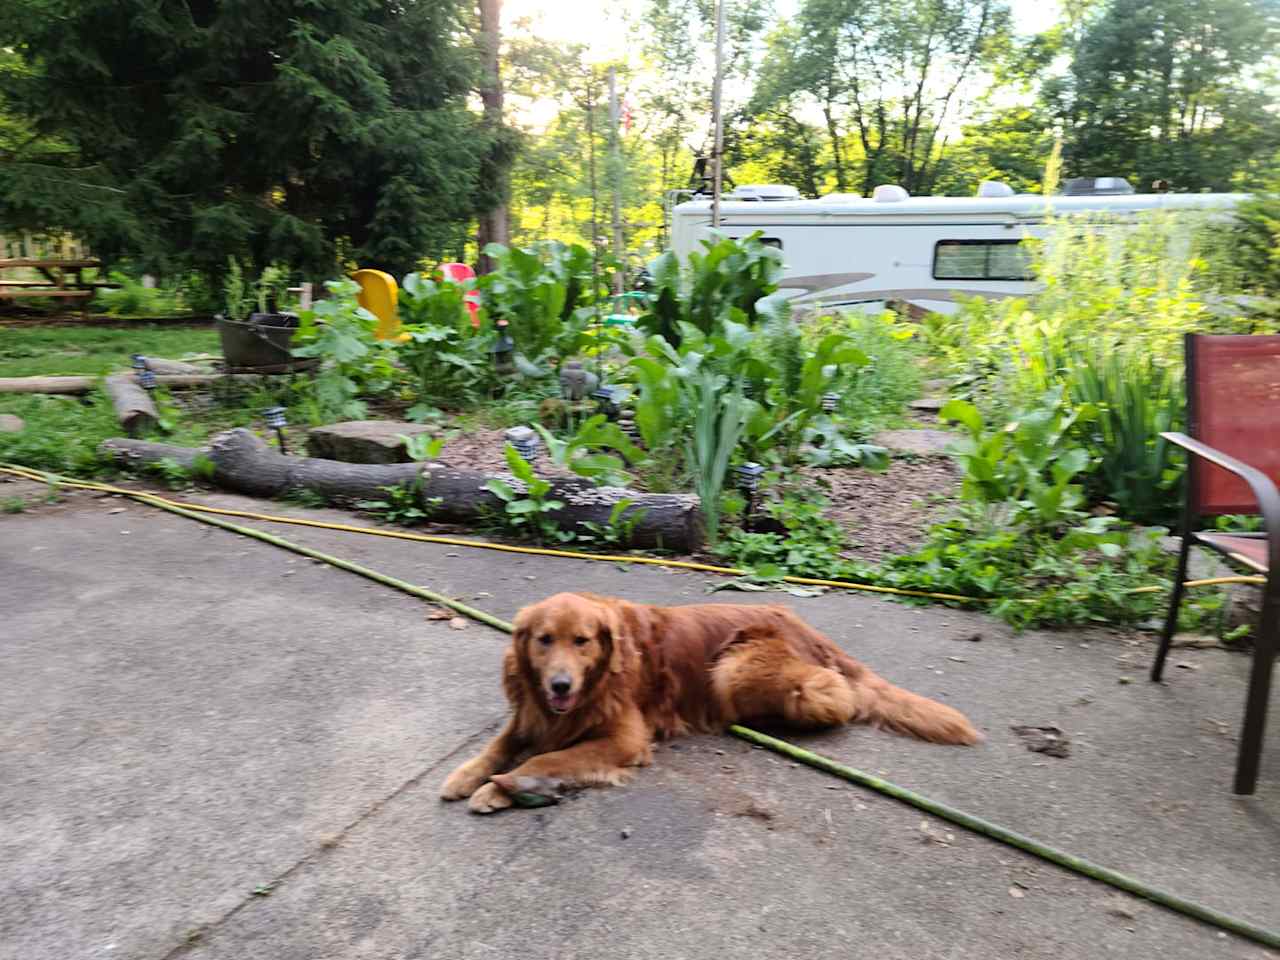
x: 1233, y: 405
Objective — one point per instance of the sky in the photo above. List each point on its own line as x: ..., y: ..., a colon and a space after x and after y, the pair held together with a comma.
x: 603, y: 30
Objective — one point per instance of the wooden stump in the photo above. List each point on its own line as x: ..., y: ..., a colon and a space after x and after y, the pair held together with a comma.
x: 133, y: 405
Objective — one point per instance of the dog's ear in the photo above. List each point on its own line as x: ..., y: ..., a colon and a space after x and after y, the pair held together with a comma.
x: 624, y: 624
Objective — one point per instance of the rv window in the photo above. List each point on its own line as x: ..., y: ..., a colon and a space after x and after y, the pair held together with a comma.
x: 981, y: 260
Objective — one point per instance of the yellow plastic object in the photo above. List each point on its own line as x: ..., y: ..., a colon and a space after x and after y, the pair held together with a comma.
x: 378, y: 294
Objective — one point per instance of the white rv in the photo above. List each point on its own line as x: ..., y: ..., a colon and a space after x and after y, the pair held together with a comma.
x: 844, y: 249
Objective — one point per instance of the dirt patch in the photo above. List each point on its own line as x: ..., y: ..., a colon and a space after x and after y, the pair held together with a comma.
x: 888, y: 513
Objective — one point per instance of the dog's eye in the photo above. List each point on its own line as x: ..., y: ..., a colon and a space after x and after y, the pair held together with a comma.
x: 581, y: 641
x: 545, y: 639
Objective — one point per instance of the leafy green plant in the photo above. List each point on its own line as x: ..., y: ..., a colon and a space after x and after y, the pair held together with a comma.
x: 527, y: 508
x: 270, y: 287
x: 1031, y: 463
x: 726, y: 282
x: 546, y: 295
x: 403, y: 504
x: 340, y: 333
x: 236, y: 302
x: 827, y: 446
x: 720, y: 416
x: 811, y: 547
x: 446, y: 354
x: 582, y: 452
x: 618, y: 529
x: 13, y: 505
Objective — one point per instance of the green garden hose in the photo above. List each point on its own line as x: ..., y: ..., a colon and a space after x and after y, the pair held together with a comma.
x: 1079, y: 865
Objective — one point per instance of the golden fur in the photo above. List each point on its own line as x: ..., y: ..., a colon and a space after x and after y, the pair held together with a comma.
x: 592, y: 681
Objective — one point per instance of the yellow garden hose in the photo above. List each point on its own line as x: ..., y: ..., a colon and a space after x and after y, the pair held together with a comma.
x: 1079, y: 865
x: 42, y: 477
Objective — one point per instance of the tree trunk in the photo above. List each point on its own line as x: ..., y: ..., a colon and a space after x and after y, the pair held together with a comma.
x: 494, y: 226
x: 243, y: 462
x: 133, y: 405
x: 73, y: 385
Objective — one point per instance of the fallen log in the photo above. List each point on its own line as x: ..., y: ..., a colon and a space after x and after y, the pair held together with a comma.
x: 141, y: 453
x: 134, y: 407
x: 75, y: 385
x: 242, y: 461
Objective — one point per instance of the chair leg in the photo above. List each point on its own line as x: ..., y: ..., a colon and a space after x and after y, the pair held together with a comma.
x: 1175, y: 601
x: 1255, y: 709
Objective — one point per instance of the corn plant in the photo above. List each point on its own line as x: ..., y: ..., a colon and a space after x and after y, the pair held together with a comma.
x: 719, y: 417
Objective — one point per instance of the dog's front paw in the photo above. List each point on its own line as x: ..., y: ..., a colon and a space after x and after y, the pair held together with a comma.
x: 490, y: 798
x: 463, y: 782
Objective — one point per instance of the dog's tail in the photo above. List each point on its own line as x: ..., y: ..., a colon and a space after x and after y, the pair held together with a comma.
x: 883, y: 705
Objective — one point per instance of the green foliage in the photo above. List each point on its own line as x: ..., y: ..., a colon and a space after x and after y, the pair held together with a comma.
x: 235, y: 292
x: 1037, y: 578
x: 720, y: 416
x: 61, y: 434
x: 402, y: 504
x: 544, y: 293
x: 726, y: 282
x: 828, y: 446
x: 875, y: 393
x: 1031, y: 463
x: 527, y: 508
x: 13, y: 505
x: 618, y: 530
x: 132, y: 299
x: 341, y: 333
x: 182, y: 134
x: 812, y: 546
x: 1171, y: 90
x: 445, y: 353
x: 56, y: 351
x: 582, y: 452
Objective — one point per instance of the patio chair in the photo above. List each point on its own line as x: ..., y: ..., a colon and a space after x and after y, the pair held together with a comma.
x: 1233, y: 416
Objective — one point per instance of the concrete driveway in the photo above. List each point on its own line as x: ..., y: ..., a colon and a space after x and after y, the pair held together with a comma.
x: 213, y: 748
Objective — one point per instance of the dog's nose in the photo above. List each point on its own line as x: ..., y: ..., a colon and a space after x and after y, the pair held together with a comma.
x: 560, y: 685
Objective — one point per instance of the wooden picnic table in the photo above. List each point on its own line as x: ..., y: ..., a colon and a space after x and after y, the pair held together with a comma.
x: 62, y: 280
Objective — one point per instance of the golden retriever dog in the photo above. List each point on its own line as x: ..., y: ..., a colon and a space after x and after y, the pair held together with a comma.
x: 593, y: 681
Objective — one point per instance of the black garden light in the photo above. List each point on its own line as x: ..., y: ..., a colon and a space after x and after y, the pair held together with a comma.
x: 276, y: 420
x: 829, y: 402
x: 607, y: 398
x: 139, y: 362
x: 747, y: 478
x: 503, y: 349
x: 147, y: 379
x: 524, y: 440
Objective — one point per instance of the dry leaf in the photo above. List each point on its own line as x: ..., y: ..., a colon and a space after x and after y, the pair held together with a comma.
x: 439, y: 613
x: 1016, y: 893
x: 457, y: 623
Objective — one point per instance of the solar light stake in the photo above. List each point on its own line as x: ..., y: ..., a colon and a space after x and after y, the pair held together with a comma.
x: 147, y: 379
x: 525, y: 441
x: 747, y: 477
x: 276, y: 421
x: 503, y: 349
x: 139, y: 362
x: 829, y: 402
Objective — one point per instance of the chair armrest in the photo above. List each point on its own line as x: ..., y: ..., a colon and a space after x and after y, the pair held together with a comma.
x: 1264, y: 490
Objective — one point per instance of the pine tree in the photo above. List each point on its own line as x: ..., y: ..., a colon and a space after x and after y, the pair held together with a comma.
x: 179, y: 133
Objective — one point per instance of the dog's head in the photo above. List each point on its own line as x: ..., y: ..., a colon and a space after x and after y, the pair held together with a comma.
x: 567, y: 643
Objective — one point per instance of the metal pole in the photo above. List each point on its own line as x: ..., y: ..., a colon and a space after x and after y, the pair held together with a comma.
x: 717, y: 153
x: 615, y: 161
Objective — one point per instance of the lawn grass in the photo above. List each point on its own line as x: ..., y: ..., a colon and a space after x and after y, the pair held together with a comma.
x: 61, y: 351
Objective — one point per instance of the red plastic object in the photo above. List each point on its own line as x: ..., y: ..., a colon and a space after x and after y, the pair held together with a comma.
x: 457, y: 273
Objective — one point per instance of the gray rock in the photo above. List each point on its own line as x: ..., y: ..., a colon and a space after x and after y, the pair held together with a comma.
x: 11, y: 424
x: 364, y: 441
x: 923, y: 443
x: 928, y: 404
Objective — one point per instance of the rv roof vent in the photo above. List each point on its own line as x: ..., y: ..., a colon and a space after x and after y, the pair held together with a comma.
x: 765, y: 191
x: 1096, y: 187
x: 889, y: 193
x: 994, y: 188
